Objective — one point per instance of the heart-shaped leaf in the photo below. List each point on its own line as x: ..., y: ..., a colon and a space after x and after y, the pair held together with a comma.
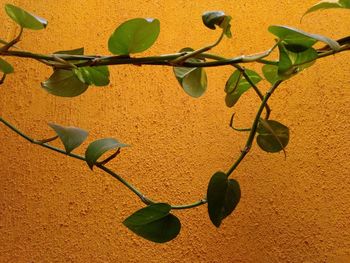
x: 293, y: 36
x: 98, y: 76
x: 154, y: 223
x: 5, y: 67
x: 71, y: 137
x: 64, y: 83
x: 272, y: 136
x: 291, y: 62
x: 236, y: 85
x: 97, y: 148
x: 134, y: 36
x: 192, y: 80
x: 223, y: 195
x: 25, y: 19
x: 322, y: 5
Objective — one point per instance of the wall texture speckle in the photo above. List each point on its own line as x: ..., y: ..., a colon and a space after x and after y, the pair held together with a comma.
x: 54, y: 209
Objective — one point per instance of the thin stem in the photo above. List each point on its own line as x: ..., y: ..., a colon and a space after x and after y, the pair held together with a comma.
x: 2, y: 78
x: 198, y: 51
x: 12, y: 42
x: 252, y: 133
x: 101, y: 166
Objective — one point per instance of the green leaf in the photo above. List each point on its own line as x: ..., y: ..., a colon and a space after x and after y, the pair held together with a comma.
x: 211, y: 19
x: 148, y: 214
x: 154, y: 223
x: 5, y: 67
x: 98, y: 76
x: 134, y: 36
x: 77, y: 51
x: 192, y: 80
x: 291, y: 63
x: 64, y: 83
x: 295, y: 36
x: 328, y: 4
x: 25, y: 19
x: 97, y: 148
x: 271, y: 73
x: 272, y: 136
x: 223, y: 195
x: 71, y: 137
x: 236, y: 85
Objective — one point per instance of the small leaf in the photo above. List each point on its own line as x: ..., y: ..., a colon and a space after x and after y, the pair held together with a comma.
x: 213, y: 18
x: 295, y: 36
x: 272, y: 136
x: 64, y: 83
x: 97, y: 148
x: 192, y: 80
x: 5, y: 67
x: 223, y: 195
x: 271, y: 73
x: 154, y: 223
x: 98, y: 76
x: 328, y: 4
x: 25, y: 19
x: 71, y: 137
x: 134, y: 36
x: 237, y: 85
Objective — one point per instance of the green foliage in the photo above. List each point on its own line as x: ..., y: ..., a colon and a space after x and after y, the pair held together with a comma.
x: 25, y: 19
x: 71, y: 137
x: 193, y: 80
x: 73, y: 73
x: 223, y: 195
x: 5, y: 67
x: 154, y: 223
x: 134, y: 36
x: 293, y: 36
x: 329, y: 4
x: 64, y: 83
x: 97, y: 148
x: 236, y: 85
x: 98, y: 76
x: 272, y: 136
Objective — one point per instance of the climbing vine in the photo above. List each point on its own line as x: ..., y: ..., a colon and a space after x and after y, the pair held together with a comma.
x: 74, y: 73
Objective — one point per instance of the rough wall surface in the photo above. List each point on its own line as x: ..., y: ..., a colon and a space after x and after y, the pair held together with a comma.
x: 53, y: 209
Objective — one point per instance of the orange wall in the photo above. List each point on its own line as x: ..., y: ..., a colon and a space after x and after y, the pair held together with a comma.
x: 53, y: 209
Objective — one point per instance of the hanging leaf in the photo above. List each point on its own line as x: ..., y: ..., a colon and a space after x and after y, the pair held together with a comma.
x: 25, y: 19
x: 5, y: 67
x: 64, y: 83
x: 192, y: 80
x: 97, y: 148
x: 271, y: 73
x: 236, y: 85
x: 328, y: 4
x: 223, y: 195
x: 134, y: 36
x: 291, y: 63
x: 98, y: 76
x: 71, y: 137
x: 295, y: 36
x: 154, y: 223
x: 272, y: 136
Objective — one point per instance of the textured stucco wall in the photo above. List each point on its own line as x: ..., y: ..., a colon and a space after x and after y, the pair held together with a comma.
x: 53, y: 209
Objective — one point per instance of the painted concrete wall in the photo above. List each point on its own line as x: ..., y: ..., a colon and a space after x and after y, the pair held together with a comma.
x: 53, y: 209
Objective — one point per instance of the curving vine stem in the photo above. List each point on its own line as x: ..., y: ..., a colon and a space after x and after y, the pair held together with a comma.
x: 74, y: 72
